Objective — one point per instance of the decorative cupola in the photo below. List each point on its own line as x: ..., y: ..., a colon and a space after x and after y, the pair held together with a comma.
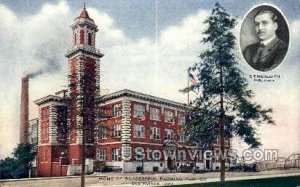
x: 84, y: 34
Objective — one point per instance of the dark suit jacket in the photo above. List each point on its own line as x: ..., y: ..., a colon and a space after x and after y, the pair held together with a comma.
x: 273, y: 54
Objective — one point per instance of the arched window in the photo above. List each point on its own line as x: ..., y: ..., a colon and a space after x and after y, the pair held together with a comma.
x: 82, y: 37
x: 89, y: 39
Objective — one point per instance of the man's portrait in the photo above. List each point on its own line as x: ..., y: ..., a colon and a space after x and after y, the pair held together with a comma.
x: 264, y: 38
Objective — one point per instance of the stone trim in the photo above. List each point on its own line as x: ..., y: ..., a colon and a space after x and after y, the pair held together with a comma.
x: 126, y: 121
x: 147, y: 143
x: 109, y: 143
x: 52, y: 126
x: 145, y: 98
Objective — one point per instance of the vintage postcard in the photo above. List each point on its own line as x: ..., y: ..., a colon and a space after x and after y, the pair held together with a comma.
x: 149, y: 93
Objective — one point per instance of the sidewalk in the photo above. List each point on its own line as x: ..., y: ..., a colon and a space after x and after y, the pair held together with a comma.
x: 169, y: 179
x: 147, y: 180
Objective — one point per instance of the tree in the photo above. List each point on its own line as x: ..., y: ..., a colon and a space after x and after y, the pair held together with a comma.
x: 223, y: 107
x: 19, y: 165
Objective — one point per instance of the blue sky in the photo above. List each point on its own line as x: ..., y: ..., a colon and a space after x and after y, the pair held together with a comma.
x: 137, y: 17
x: 148, y: 45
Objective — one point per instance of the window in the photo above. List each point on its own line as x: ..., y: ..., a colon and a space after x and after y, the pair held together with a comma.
x: 154, y: 113
x: 139, y: 131
x: 81, y: 36
x: 34, y: 140
x: 154, y: 133
x: 102, y: 154
x: 61, y: 131
x: 102, y: 132
x: 102, y: 113
x: 89, y: 39
x: 33, y: 133
x: 116, y: 130
x: 169, y: 134
x: 34, y: 129
x: 75, y: 38
x: 169, y: 116
x: 117, y: 110
x: 116, y: 154
x: 181, y: 119
x: 139, y: 110
x: 182, y: 137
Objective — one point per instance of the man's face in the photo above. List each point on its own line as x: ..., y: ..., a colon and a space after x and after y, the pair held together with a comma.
x: 265, y: 27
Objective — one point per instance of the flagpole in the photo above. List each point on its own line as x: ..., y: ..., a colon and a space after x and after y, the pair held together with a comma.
x: 188, y: 83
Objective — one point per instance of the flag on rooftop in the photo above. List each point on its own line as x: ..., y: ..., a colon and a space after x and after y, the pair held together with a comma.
x: 192, y: 78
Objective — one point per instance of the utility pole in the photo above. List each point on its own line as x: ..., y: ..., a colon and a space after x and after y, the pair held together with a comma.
x: 221, y: 127
x: 83, y: 158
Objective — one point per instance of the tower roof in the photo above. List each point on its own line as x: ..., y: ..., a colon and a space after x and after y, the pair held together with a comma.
x: 84, y: 14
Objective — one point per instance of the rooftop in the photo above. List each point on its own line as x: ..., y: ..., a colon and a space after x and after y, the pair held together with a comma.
x: 84, y: 13
x: 126, y: 92
x: 47, y: 99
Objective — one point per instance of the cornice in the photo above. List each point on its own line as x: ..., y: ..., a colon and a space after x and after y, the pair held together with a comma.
x: 138, y: 95
x: 49, y: 98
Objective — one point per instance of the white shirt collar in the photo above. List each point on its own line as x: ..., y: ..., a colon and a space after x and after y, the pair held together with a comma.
x: 266, y: 42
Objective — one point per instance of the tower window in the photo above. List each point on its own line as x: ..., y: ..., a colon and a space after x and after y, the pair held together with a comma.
x: 89, y: 39
x: 82, y: 37
x: 75, y: 36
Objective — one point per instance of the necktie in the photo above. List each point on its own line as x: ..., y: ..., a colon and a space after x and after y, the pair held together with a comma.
x: 258, y: 56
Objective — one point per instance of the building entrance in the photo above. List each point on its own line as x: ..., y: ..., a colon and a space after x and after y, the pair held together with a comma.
x: 171, y: 163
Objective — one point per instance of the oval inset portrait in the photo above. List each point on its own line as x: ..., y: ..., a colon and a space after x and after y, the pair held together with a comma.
x: 264, y: 37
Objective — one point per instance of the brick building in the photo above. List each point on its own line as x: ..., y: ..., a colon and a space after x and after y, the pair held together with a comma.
x: 124, y: 130
x: 133, y: 126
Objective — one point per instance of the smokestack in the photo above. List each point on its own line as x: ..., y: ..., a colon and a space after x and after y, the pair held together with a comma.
x: 24, y: 114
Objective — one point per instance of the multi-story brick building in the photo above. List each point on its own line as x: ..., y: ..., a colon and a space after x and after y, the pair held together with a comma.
x: 136, y: 125
x: 124, y: 130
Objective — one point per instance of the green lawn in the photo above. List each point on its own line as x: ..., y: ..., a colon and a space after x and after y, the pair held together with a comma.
x: 270, y: 182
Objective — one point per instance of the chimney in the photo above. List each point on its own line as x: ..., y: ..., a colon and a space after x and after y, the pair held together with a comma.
x: 24, y: 113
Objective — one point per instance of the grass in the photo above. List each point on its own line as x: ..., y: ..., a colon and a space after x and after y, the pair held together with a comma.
x: 293, y: 181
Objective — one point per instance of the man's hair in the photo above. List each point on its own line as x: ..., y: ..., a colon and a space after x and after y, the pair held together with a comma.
x: 267, y: 11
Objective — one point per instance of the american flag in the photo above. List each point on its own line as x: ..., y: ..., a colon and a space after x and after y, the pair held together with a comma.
x: 192, y: 78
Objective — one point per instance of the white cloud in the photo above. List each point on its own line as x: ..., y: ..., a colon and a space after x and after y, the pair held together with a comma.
x: 108, y: 35
x: 148, y: 65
